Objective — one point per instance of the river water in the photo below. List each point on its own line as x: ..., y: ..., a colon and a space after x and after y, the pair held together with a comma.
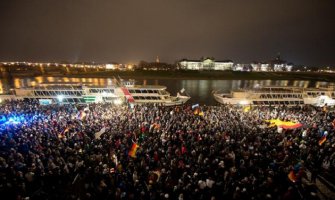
x: 199, y: 90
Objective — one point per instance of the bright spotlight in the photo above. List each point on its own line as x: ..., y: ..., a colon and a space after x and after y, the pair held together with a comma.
x: 117, y: 102
x: 60, y: 98
x: 244, y: 102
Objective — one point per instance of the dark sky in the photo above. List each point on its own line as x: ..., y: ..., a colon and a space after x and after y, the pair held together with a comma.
x: 303, y: 31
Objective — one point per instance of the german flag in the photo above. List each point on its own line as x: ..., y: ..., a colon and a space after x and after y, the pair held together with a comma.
x: 133, y: 150
x: 292, y: 177
x: 284, y: 124
x: 196, y: 111
x: 322, y: 140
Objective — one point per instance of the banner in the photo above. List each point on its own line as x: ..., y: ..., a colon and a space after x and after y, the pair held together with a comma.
x: 195, y: 105
x: 97, y: 135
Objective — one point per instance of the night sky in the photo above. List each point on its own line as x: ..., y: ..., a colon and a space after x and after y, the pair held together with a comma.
x: 127, y: 31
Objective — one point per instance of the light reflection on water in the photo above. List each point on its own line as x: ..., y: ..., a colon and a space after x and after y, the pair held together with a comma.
x: 199, y: 90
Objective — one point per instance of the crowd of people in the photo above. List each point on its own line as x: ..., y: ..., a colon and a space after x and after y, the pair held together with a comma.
x: 226, y: 152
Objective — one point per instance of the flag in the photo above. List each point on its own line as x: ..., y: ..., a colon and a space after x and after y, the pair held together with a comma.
x: 246, y: 109
x: 81, y: 115
x: 292, y: 176
x: 98, y: 134
x: 133, y: 150
x: 62, y: 134
x: 196, y: 111
x: 322, y: 140
x: 195, y: 105
x: 182, y: 90
x: 284, y: 124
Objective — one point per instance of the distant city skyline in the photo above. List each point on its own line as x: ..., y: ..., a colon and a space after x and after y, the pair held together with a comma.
x: 130, y: 31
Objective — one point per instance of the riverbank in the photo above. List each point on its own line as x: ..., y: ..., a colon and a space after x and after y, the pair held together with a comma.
x: 199, y: 75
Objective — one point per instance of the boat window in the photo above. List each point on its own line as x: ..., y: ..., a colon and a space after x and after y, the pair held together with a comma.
x: 136, y: 97
x: 144, y: 91
x: 269, y: 96
x: 137, y: 91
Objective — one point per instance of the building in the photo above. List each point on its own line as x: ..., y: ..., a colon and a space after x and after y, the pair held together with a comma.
x: 279, y: 65
x: 260, y: 67
x: 275, y: 65
x: 206, y: 64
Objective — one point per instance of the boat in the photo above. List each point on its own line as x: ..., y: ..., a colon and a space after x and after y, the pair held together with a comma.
x: 65, y: 93
x: 275, y: 96
x: 70, y: 93
x: 141, y: 94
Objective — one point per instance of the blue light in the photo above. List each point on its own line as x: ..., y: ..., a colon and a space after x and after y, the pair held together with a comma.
x: 13, y: 119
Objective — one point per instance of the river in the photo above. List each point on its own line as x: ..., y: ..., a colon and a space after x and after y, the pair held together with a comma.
x: 199, y: 90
